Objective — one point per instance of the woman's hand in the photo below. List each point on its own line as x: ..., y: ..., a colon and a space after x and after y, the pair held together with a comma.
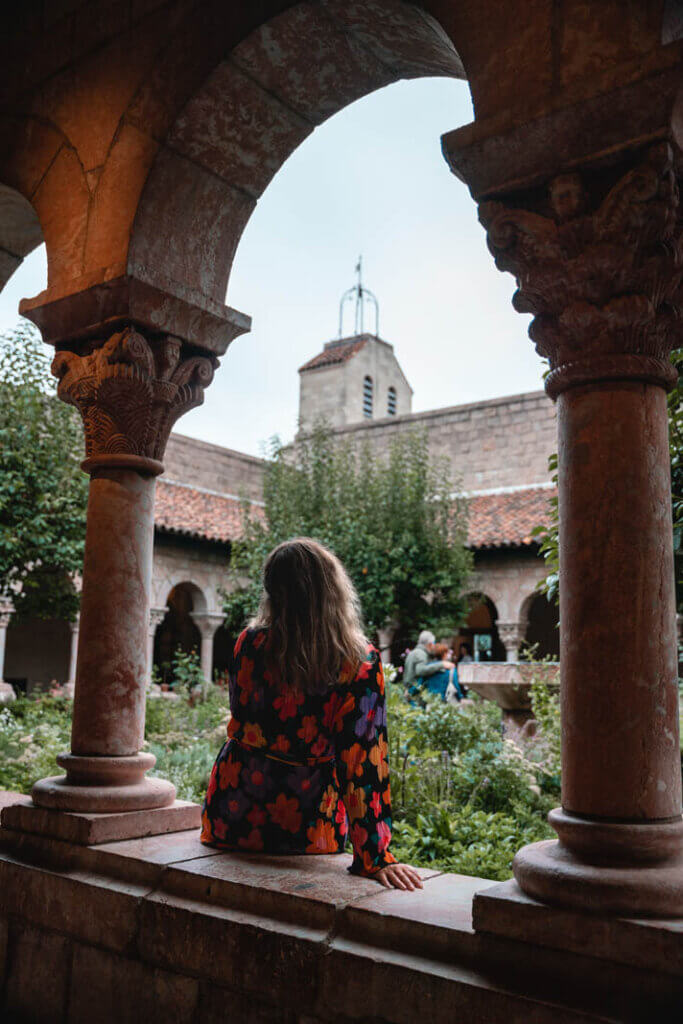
x: 399, y: 876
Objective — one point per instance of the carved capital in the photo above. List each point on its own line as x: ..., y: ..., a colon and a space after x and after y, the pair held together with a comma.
x: 599, y: 265
x: 130, y: 390
x: 156, y: 617
x: 208, y: 623
x: 511, y: 634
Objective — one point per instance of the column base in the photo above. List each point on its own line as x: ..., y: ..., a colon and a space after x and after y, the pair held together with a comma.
x: 626, y: 869
x: 103, y: 785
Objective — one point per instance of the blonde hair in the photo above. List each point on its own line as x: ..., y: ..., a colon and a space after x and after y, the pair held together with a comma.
x: 312, y: 613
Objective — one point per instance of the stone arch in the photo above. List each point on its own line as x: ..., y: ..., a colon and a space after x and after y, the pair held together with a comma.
x: 178, y: 630
x: 20, y: 231
x: 481, y: 621
x: 541, y: 621
x: 253, y: 109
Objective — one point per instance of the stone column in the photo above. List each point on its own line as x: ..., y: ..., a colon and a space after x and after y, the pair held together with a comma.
x: 6, y: 610
x: 207, y: 624
x: 598, y: 260
x: 385, y: 636
x: 512, y: 637
x: 73, y: 650
x: 129, y: 389
x: 156, y: 617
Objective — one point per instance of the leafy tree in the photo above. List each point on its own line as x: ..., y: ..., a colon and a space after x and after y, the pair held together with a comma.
x: 391, y: 519
x: 43, y: 491
x: 548, y: 536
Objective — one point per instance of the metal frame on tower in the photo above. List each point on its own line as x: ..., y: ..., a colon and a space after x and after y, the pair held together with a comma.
x: 361, y: 295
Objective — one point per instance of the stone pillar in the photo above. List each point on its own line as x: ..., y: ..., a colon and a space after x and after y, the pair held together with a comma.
x: 73, y: 650
x: 207, y: 624
x: 598, y: 262
x: 512, y: 637
x: 129, y: 389
x: 385, y: 636
x: 156, y: 617
x: 6, y: 610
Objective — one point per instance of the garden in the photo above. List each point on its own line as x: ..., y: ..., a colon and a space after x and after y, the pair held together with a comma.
x: 464, y: 799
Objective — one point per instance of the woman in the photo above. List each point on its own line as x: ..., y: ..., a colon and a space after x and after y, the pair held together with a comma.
x: 440, y: 682
x: 305, y: 764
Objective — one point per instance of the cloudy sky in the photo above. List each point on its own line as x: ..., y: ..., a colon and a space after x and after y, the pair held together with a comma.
x: 371, y: 180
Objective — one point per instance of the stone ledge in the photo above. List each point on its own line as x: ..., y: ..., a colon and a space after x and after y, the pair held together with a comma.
x: 505, y: 911
x: 91, y: 829
x: 301, y: 935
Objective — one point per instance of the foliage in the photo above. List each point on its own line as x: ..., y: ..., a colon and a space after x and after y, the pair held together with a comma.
x: 391, y: 519
x: 186, y: 672
x: 43, y: 492
x: 548, y: 536
x: 464, y: 799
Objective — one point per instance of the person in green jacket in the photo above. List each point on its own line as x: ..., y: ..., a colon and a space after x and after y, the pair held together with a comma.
x: 419, y: 666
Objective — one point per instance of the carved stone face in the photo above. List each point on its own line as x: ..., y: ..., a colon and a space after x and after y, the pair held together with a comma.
x: 567, y: 196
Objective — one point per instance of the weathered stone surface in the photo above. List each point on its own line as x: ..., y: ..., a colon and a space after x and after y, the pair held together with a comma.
x: 37, y: 976
x: 233, y: 948
x: 90, y: 907
x: 437, y: 920
x: 128, y: 991
x: 504, y: 910
x: 89, y: 829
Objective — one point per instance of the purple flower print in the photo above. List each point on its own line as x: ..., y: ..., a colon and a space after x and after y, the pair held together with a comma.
x: 372, y: 717
x: 256, y: 777
x: 306, y: 783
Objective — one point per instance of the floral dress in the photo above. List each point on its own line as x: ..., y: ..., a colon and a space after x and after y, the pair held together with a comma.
x: 302, y: 773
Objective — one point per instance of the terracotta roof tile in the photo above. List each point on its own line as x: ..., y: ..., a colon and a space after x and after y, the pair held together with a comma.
x: 198, y: 513
x: 338, y: 352
x: 506, y: 519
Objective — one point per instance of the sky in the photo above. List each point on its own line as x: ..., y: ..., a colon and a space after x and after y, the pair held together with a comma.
x: 371, y: 180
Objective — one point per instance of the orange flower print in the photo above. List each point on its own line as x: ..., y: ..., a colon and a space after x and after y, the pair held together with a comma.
x: 309, y: 729
x: 320, y: 747
x: 358, y: 836
x: 211, y: 788
x: 220, y: 829
x: 342, y: 819
x: 378, y: 756
x: 245, y: 680
x: 353, y: 760
x: 386, y: 795
x: 321, y: 838
x: 229, y: 773
x: 354, y: 798
x: 336, y: 709
x: 364, y: 670
x: 233, y: 728
x: 346, y: 673
x: 288, y: 703
x: 254, y: 841
x: 369, y: 866
x: 207, y: 834
x: 380, y: 679
x: 376, y: 805
x: 328, y: 802
x: 282, y: 744
x: 383, y: 835
x: 285, y: 813
x: 240, y: 641
x: 253, y: 736
x: 257, y: 817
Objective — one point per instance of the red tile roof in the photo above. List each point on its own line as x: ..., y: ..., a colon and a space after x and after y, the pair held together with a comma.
x: 337, y: 352
x: 506, y: 519
x: 503, y: 519
x: 197, y: 513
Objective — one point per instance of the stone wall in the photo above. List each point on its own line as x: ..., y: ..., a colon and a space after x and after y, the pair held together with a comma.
x: 188, y: 560
x: 503, y: 442
x: 213, y: 468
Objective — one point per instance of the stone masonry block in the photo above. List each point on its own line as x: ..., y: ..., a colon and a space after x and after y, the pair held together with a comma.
x: 96, y: 909
x: 232, y: 948
x: 112, y: 990
x: 38, y: 968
